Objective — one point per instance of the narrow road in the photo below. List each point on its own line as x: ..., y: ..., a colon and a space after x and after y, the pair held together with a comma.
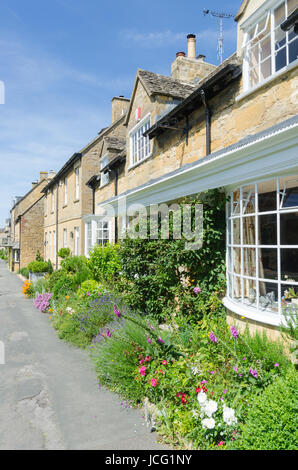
x: 49, y: 397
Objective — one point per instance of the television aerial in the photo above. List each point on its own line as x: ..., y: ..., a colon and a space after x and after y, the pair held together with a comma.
x: 219, y: 15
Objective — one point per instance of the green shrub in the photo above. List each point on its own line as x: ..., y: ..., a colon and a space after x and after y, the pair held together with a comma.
x: 77, y: 266
x: 64, y: 286
x: 272, y: 421
x: 25, y: 272
x: 38, y: 267
x: 89, y: 286
x: 3, y: 255
x: 64, y: 253
x: 155, y: 272
x: 38, y: 256
x: 104, y: 262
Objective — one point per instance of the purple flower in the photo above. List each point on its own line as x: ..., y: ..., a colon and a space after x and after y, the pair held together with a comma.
x: 276, y: 364
x: 235, y: 369
x: 160, y: 340
x: 149, y: 340
x: 108, y: 333
x: 234, y: 332
x: 212, y: 337
x: 253, y: 372
x: 240, y: 375
x: 243, y: 359
x: 88, y: 293
x: 117, y: 312
x: 225, y: 391
x: 203, y: 381
x: 197, y: 290
x: 212, y: 372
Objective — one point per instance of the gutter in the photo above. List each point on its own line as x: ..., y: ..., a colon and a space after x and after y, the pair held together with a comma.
x: 208, y: 121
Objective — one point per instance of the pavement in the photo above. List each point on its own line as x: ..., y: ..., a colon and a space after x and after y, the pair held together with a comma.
x: 49, y: 396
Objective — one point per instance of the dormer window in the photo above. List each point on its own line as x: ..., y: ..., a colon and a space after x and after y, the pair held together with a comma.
x: 139, y: 145
x: 267, y: 48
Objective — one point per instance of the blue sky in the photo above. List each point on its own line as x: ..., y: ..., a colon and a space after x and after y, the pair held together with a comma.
x: 62, y: 61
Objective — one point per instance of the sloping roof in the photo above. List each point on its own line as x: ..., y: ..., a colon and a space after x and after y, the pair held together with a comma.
x: 156, y: 84
x: 114, y: 143
x: 213, y: 83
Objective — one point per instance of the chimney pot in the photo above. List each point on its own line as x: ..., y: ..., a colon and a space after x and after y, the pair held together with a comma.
x: 180, y: 54
x: 191, y: 46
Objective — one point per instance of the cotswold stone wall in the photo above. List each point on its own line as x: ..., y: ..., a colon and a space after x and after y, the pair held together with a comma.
x: 31, y: 233
x: 231, y: 121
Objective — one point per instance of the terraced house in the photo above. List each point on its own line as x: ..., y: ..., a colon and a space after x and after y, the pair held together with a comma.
x: 26, y: 231
x: 232, y: 127
x: 67, y: 196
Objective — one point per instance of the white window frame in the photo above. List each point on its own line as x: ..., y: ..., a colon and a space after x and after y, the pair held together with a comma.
x: 92, y: 232
x: 140, y: 146
x: 249, y: 25
x: 52, y: 200
x: 77, y: 183
x: 54, y: 243
x: 65, y: 190
x: 257, y: 311
x: 50, y: 244
x: 77, y: 241
x: 104, y: 177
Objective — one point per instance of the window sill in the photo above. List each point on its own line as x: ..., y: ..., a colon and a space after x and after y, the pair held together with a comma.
x: 252, y: 313
x: 64, y: 205
x: 135, y: 165
x: 267, y: 81
x: 76, y: 200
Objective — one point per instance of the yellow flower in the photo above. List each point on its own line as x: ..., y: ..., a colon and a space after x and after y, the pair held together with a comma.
x: 50, y: 310
x: 50, y: 318
x: 67, y: 296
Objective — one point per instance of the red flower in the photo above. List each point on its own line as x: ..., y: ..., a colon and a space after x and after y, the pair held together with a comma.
x: 198, y: 390
x: 184, y: 398
x: 178, y: 394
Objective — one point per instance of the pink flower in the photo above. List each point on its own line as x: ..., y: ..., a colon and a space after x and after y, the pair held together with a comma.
x: 142, y: 371
x: 141, y: 361
x: 235, y: 369
x: 149, y: 340
x: 147, y: 358
x: 197, y: 290
x: 276, y: 364
x: 221, y: 443
x: 153, y: 382
x: 164, y: 362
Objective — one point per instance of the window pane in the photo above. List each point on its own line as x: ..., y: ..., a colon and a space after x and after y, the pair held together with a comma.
x: 293, y: 50
x: 237, y: 260
x: 280, y: 38
x: 249, y: 292
x: 265, y: 48
x: 292, y: 4
x: 254, y: 76
x: 280, y: 59
x: 237, y: 288
x: 267, y: 196
x: 288, y: 193
x: 289, y: 264
x: 248, y: 199
x: 268, y: 296
x: 236, y: 202
x: 289, y: 228
x: 288, y: 295
x: 265, y: 69
x: 268, y: 263
x: 279, y: 14
x: 236, y: 231
x: 249, y: 262
x: 267, y: 229
x: 249, y: 230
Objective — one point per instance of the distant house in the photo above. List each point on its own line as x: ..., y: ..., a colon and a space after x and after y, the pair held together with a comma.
x: 26, y: 236
x: 68, y: 198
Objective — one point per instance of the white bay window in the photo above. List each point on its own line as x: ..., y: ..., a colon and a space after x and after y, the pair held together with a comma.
x: 262, y: 245
x: 98, y: 231
x: 139, y: 144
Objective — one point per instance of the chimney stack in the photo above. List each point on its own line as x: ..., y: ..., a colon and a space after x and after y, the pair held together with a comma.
x: 43, y: 175
x: 191, y: 46
x: 119, y: 107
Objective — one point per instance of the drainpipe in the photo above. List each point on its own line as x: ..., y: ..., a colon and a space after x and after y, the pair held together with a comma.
x: 57, y: 248
x: 93, y: 200
x: 116, y: 194
x: 208, y: 119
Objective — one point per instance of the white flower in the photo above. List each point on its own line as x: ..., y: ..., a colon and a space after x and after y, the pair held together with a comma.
x: 195, y: 413
x: 229, y: 416
x: 202, y: 397
x: 210, y: 407
x: 195, y: 370
x: 208, y: 423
